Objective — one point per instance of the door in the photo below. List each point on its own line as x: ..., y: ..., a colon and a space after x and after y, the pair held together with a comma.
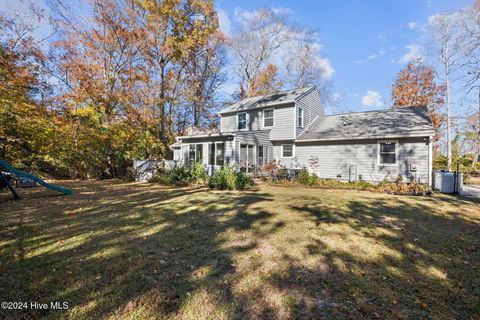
x: 247, y: 157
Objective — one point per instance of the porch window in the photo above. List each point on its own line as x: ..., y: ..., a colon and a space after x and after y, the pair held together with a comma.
x: 387, y: 152
x: 199, y: 153
x: 287, y: 150
x: 242, y: 121
x: 191, y: 153
x: 219, y: 154
x: 211, y: 154
x: 300, y: 117
x: 261, y: 155
x: 268, y: 118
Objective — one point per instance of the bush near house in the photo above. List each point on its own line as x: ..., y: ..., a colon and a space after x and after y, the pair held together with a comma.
x: 228, y: 179
x: 182, y: 176
x: 223, y: 179
x: 306, y: 178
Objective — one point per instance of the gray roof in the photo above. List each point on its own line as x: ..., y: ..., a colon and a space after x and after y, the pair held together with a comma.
x: 403, y: 122
x: 267, y: 100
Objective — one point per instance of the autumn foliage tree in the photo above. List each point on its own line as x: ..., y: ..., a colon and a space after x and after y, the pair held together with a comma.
x: 415, y: 86
x: 24, y: 116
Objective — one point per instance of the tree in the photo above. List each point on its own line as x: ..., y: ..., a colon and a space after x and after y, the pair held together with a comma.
x: 203, y: 77
x: 470, y: 43
x: 305, y: 66
x: 415, y: 86
x: 23, y: 112
x: 254, y: 46
x: 446, y: 47
x: 100, y: 65
x: 179, y: 33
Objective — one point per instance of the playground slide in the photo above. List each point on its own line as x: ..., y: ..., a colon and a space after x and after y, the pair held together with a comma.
x: 19, y: 173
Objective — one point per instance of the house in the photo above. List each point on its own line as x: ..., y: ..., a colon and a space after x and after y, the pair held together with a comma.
x: 292, y: 129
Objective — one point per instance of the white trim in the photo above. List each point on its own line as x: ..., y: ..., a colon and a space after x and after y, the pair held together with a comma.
x: 303, y: 117
x: 211, y: 135
x: 294, y: 121
x: 263, y: 118
x: 430, y: 161
x: 246, y: 120
x: 308, y: 126
x: 293, y: 150
x: 305, y: 93
x: 396, y: 153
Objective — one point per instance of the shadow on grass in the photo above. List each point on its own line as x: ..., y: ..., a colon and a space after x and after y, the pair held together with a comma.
x: 121, y: 249
x: 391, y: 260
x: 125, y: 250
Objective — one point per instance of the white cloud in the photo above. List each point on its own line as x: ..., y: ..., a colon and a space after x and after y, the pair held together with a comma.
x: 326, y: 67
x: 412, y: 25
x: 382, y: 37
x: 282, y: 10
x: 224, y: 22
x: 372, y: 99
x: 373, y: 56
x: 414, y: 52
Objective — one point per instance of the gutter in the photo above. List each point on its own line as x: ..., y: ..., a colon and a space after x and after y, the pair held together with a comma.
x: 205, y: 136
x: 365, y: 138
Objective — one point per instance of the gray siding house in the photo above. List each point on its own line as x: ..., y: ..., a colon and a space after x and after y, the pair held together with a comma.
x: 292, y: 129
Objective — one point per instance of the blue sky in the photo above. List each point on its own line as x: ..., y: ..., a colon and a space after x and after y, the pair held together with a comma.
x: 366, y: 42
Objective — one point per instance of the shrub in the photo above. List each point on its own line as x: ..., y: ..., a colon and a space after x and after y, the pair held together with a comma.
x: 182, y: 176
x: 413, y: 188
x: 223, y: 179
x: 198, y: 173
x: 306, y: 178
x: 242, y: 181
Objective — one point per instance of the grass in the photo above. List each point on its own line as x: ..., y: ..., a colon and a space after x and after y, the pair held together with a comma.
x: 120, y: 250
x: 472, y: 181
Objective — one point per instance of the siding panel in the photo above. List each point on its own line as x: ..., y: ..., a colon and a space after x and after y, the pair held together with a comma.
x: 312, y: 107
x: 336, y: 157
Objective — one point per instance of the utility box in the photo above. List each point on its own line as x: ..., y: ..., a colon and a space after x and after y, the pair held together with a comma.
x: 445, y: 182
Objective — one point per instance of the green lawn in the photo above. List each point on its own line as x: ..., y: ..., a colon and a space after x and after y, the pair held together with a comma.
x: 128, y: 250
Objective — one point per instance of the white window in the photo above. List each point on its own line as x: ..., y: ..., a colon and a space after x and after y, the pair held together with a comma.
x: 216, y: 153
x: 300, y: 117
x: 268, y: 118
x: 199, y: 153
x: 219, y: 153
x: 287, y: 150
x: 195, y: 153
x: 387, y: 153
x: 242, y: 121
x: 191, y: 154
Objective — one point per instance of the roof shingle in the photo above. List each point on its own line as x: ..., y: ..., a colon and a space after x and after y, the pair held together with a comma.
x: 409, y: 121
x: 267, y: 100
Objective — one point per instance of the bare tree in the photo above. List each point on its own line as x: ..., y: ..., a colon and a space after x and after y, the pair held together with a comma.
x: 305, y: 66
x: 254, y: 45
x: 471, y: 63
x: 446, y: 48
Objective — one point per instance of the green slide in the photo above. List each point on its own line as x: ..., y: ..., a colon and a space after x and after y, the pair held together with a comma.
x: 22, y: 174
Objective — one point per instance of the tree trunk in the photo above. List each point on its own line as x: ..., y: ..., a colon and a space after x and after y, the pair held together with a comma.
x: 449, y: 120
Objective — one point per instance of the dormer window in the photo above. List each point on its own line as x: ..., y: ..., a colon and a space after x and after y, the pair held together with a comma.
x: 268, y: 118
x: 300, y: 117
x: 242, y: 121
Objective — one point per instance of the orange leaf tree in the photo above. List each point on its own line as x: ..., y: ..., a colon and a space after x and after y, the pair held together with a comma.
x: 415, y: 86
